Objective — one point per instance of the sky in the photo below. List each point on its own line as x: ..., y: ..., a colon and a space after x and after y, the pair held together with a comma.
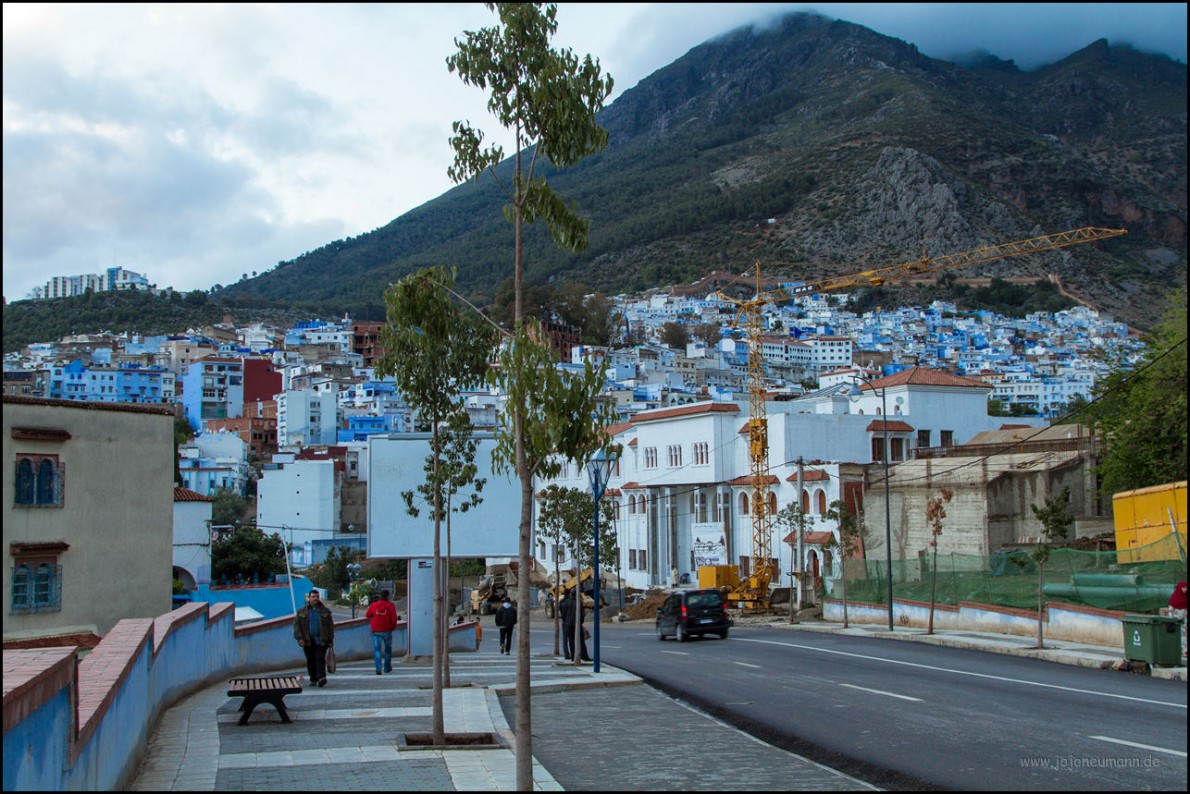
x: 194, y: 144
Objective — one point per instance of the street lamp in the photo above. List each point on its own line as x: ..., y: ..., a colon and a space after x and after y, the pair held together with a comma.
x: 887, y: 509
x: 599, y: 470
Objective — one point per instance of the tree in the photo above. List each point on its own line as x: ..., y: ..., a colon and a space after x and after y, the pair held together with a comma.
x: 247, y: 555
x: 708, y: 334
x: 1141, y: 414
x: 851, y: 531
x: 1056, y: 521
x: 935, y: 515
x: 229, y: 508
x: 452, y: 470
x: 791, y: 518
x: 549, y: 99
x: 560, y: 514
x: 433, y: 349
x: 675, y: 335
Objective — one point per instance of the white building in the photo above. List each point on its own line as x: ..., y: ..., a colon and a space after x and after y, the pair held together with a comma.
x: 307, y: 417
x: 300, y: 499
x: 192, y: 537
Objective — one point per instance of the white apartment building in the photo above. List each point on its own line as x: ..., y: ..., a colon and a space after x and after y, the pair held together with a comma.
x: 300, y: 499
x: 307, y: 417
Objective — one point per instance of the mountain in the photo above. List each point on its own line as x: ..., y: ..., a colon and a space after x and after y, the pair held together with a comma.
x: 833, y: 149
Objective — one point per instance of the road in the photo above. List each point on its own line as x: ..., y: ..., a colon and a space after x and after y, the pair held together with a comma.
x: 905, y: 715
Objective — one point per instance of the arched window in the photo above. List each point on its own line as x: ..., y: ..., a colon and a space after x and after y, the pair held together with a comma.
x: 743, y: 504
x: 46, y: 482
x: 772, y: 500
x: 821, y: 499
x: 805, y: 503
x: 26, y: 482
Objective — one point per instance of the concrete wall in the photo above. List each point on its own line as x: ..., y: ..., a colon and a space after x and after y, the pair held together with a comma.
x: 116, y: 512
x: 85, y: 726
x: 1069, y: 622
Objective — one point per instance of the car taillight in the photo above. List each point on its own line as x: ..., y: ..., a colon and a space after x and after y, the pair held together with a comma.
x: 726, y: 614
x: 683, y: 617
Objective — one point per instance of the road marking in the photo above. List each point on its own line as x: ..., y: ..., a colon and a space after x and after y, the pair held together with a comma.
x: 745, y: 664
x: 677, y: 653
x: 881, y: 692
x: 1180, y: 753
x: 961, y: 672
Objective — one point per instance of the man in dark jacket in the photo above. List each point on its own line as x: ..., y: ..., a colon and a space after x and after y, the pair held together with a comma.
x: 314, y: 630
x: 572, y: 612
x: 506, y: 619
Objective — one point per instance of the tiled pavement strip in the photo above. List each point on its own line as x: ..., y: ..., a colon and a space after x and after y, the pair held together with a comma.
x: 344, y: 736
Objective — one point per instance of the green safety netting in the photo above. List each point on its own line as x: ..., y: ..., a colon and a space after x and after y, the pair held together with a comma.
x: 1136, y: 580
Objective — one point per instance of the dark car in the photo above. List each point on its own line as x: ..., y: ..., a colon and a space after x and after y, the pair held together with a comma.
x: 689, y: 613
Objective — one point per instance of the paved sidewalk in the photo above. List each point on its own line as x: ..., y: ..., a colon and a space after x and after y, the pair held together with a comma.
x: 348, y: 735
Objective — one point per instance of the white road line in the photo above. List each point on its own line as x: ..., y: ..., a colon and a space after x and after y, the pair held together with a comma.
x: 1180, y: 753
x: 882, y: 692
x: 962, y: 672
x: 677, y: 653
x: 745, y: 664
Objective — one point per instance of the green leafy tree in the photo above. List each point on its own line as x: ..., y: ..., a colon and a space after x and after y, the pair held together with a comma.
x: 247, y: 555
x: 1056, y: 521
x: 1141, y: 413
x: 229, y: 508
x: 851, y: 532
x: 560, y: 513
x: 433, y: 349
x: 549, y: 99
x: 935, y: 515
x: 450, y: 473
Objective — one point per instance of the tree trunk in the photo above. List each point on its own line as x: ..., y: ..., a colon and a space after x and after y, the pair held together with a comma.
x: 438, y: 726
x: 933, y: 582
x: 446, y: 610
x: 557, y: 591
x: 843, y: 576
x: 524, y: 721
x: 1040, y: 639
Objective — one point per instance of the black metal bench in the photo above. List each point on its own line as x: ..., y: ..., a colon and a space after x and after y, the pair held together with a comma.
x: 265, y: 689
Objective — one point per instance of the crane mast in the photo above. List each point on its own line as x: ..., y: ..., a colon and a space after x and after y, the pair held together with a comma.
x: 753, y: 591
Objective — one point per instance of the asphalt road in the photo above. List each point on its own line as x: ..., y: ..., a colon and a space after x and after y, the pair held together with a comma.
x: 904, y: 715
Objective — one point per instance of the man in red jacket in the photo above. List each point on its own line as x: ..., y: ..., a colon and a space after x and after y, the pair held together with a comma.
x: 383, y: 616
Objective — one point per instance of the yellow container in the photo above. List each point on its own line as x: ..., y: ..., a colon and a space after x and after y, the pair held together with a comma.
x: 1145, y: 517
x: 718, y: 576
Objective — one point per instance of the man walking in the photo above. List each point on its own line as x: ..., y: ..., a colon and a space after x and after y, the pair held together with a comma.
x: 572, y: 612
x: 314, y: 630
x: 383, y: 617
x: 505, y: 620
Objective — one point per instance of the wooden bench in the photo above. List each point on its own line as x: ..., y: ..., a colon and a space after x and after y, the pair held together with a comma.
x: 265, y: 689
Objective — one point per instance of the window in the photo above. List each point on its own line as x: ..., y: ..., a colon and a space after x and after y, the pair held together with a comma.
x: 36, y: 585
x: 651, y: 457
x: 675, y: 455
x: 644, y: 560
x: 948, y: 438
x: 877, y: 449
x: 820, y: 497
x: 632, y: 559
x: 701, y: 454
x: 898, y: 449
x: 743, y: 504
x: 38, y: 481
x: 923, y: 438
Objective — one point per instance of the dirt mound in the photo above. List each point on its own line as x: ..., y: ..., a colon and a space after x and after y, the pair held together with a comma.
x: 647, y: 608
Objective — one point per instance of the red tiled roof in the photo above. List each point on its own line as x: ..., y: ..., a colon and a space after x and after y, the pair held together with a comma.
x: 895, y: 426
x: 617, y: 429
x: 187, y: 495
x: 19, y: 548
x: 685, y: 410
x: 631, y: 486
x: 813, y: 475
x: 810, y: 538
x: 771, y: 479
x: 920, y: 376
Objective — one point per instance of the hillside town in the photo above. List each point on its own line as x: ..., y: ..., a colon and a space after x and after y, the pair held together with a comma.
x: 288, y: 417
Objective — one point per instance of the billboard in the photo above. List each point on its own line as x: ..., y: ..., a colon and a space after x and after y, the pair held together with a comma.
x: 396, y: 463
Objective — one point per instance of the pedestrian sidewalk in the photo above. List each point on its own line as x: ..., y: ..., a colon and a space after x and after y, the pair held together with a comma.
x: 1061, y: 651
x: 353, y: 735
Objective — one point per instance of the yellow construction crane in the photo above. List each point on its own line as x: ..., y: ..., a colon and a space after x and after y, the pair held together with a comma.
x: 753, y: 591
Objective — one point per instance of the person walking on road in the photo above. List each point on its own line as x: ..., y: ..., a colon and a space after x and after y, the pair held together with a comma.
x: 314, y: 630
x: 506, y: 618
x: 1177, y: 608
x: 384, y: 617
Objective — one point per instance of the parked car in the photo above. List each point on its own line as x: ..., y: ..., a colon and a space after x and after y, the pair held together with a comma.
x: 690, y: 613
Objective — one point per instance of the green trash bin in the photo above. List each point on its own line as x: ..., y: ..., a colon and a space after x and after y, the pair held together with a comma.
x: 1155, y: 639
